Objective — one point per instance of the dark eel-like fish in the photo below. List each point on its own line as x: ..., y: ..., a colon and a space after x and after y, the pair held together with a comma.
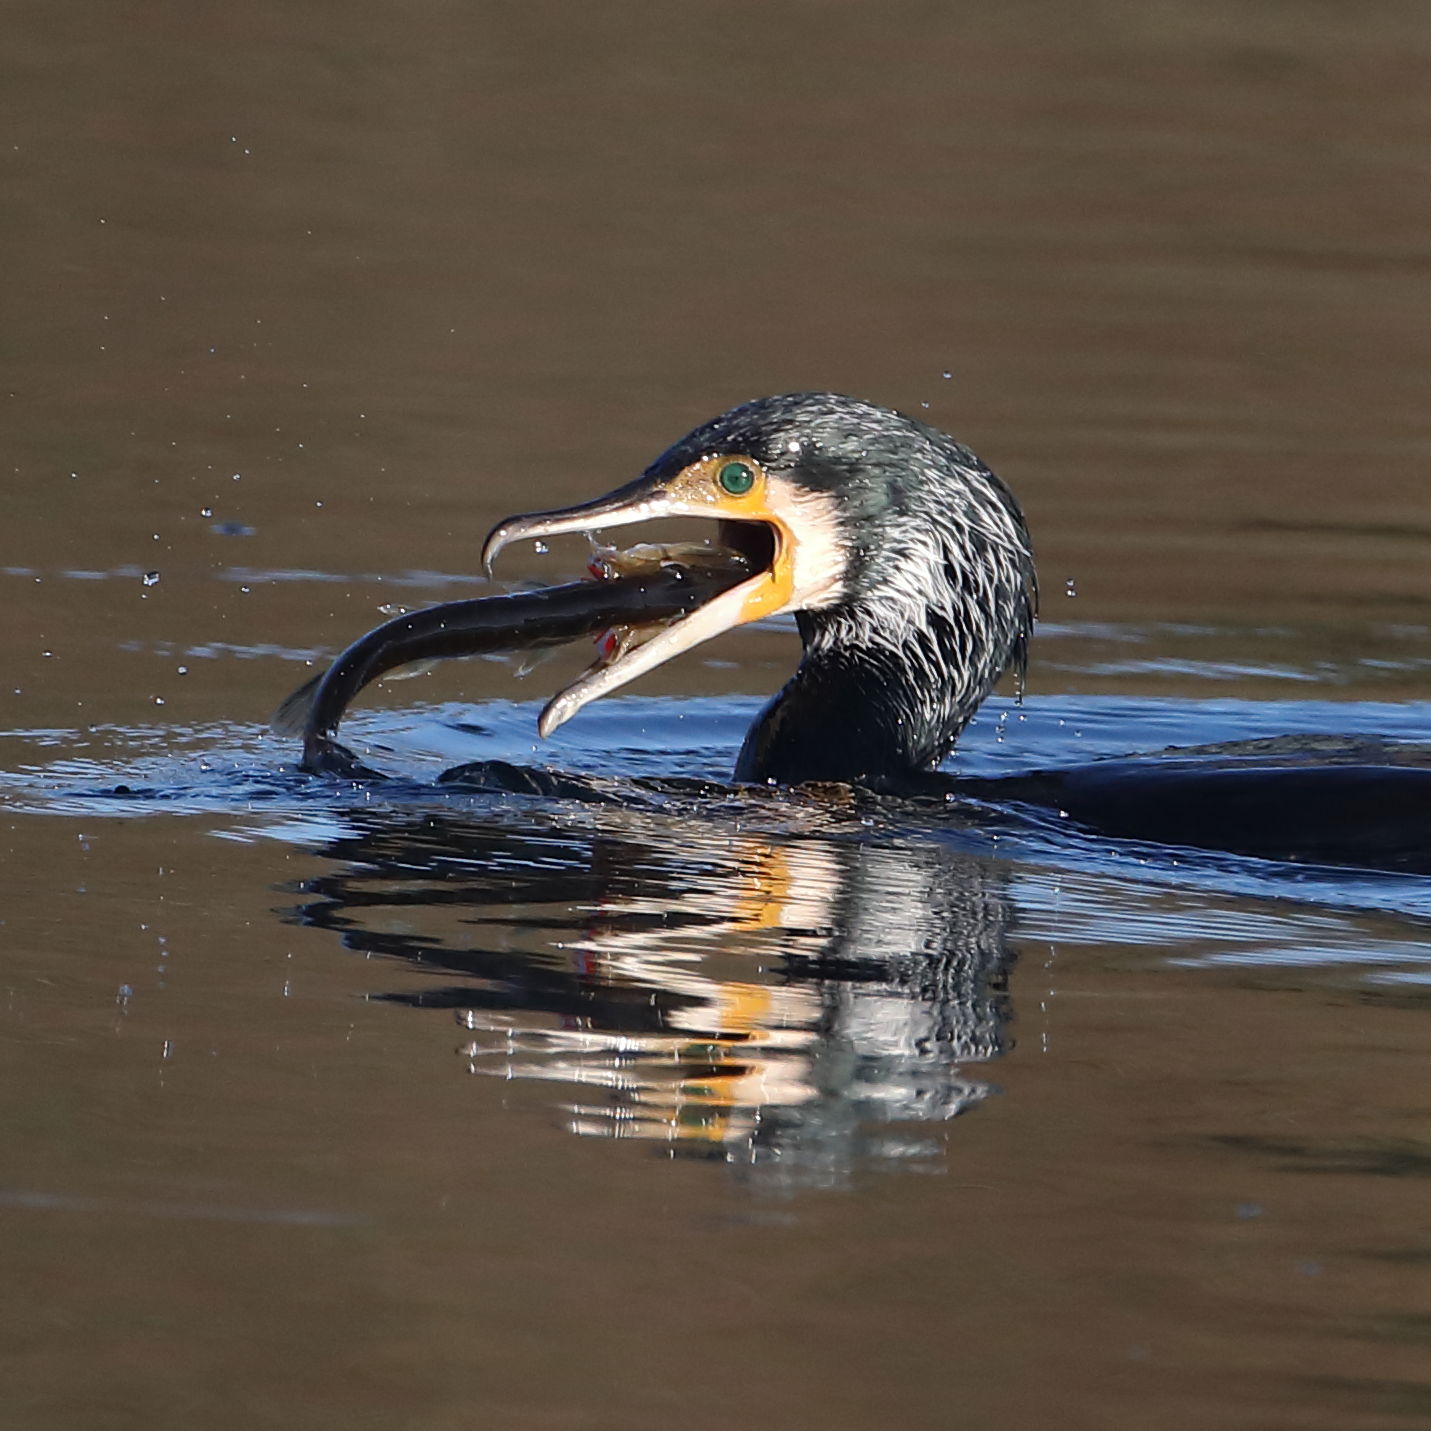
x: 632, y: 596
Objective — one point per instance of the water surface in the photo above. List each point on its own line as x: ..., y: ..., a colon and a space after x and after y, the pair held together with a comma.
x: 330, y: 1104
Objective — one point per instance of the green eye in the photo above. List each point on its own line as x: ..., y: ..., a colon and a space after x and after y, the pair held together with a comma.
x: 736, y: 478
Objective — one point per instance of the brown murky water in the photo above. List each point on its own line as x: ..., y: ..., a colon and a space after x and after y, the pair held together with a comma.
x: 326, y: 1108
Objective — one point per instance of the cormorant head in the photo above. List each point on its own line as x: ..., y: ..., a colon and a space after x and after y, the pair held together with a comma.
x: 885, y: 537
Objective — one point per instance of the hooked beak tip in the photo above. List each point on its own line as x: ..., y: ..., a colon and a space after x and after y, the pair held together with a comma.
x: 632, y: 503
x: 554, y: 714
x: 496, y: 540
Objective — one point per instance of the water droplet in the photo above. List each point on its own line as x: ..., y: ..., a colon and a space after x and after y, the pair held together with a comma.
x: 206, y: 511
x: 1069, y: 589
x: 541, y: 548
x: 151, y: 578
x: 946, y: 376
x: 182, y: 670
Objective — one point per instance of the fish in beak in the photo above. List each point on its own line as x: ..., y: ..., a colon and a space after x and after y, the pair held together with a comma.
x: 760, y: 519
x: 659, y: 588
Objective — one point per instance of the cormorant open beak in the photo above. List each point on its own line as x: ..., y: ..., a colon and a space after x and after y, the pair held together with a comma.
x: 759, y: 516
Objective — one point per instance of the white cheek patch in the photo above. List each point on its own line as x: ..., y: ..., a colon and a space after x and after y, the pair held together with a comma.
x: 820, y: 555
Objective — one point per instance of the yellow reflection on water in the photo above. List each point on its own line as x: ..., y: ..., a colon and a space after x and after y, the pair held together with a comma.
x: 756, y: 981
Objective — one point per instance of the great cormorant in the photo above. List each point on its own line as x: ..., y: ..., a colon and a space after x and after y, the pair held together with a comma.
x: 905, y: 561
x: 907, y: 565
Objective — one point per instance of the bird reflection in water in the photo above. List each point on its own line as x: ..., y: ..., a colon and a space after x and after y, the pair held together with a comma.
x: 796, y: 1004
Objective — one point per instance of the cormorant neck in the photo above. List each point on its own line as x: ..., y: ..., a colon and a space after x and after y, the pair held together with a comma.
x: 888, y: 681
